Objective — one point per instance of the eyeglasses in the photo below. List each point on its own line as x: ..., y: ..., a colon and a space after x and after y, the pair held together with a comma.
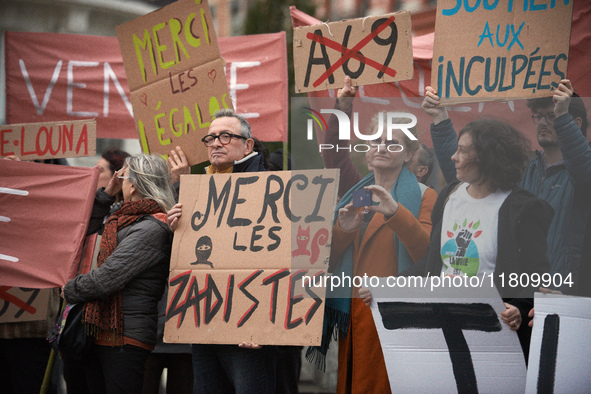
x: 225, y: 138
x: 549, y: 118
x: 122, y: 177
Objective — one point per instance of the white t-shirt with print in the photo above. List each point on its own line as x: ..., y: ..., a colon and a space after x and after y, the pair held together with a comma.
x: 469, y: 233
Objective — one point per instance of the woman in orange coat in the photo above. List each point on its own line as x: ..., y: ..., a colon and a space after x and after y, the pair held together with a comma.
x: 380, y: 240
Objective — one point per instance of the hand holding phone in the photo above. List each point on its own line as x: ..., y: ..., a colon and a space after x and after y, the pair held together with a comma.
x: 362, y: 198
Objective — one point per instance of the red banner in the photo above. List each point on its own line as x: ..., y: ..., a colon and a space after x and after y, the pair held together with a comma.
x: 256, y: 71
x: 44, y: 211
x: 56, y: 77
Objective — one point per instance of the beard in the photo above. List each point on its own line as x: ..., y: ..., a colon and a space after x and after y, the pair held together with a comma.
x: 546, y: 136
x: 548, y: 141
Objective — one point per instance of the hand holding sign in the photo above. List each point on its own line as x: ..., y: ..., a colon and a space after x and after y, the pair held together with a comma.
x: 512, y: 317
x: 345, y: 95
x: 562, y: 97
x: 178, y: 164
x: 173, y: 216
x: 432, y: 106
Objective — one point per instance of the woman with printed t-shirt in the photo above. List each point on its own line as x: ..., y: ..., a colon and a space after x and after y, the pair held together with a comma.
x: 381, y: 239
x: 483, y: 223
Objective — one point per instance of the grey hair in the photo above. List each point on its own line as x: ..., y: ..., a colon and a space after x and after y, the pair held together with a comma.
x: 151, y: 178
x: 229, y: 113
x: 410, y: 145
x: 426, y: 158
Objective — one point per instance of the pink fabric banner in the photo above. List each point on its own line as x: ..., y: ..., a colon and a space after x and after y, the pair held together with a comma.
x: 56, y: 77
x: 44, y: 212
x: 256, y: 71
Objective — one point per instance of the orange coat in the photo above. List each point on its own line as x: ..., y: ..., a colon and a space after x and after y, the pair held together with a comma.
x: 361, y: 363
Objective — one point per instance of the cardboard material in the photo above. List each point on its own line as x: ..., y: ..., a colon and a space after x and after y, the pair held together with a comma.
x: 266, y: 307
x: 21, y: 304
x: 559, y: 359
x: 504, y: 51
x: 172, y: 62
x: 167, y: 117
x: 48, y: 140
x: 168, y: 41
x: 44, y: 212
x: 251, y: 225
x: 371, y: 50
x: 424, y: 358
x: 407, y: 95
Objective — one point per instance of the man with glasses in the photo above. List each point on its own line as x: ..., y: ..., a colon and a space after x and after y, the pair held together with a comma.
x: 230, y: 148
x: 560, y: 174
x: 227, y: 368
x: 230, y: 145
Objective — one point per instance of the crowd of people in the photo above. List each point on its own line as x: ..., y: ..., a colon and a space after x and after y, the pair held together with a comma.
x: 532, y: 216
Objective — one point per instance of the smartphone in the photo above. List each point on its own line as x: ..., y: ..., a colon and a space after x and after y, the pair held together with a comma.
x: 362, y: 198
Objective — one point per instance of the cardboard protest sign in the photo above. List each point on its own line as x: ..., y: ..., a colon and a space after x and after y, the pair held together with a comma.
x: 501, y: 51
x: 20, y: 304
x: 247, y: 242
x: 175, y: 75
x: 47, y: 206
x: 49, y: 140
x: 447, y: 340
x: 408, y: 95
x: 370, y: 50
x: 559, y: 351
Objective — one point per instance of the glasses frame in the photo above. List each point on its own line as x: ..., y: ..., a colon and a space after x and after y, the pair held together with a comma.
x: 219, y: 136
x: 122, y: 177
x: 545, y: 117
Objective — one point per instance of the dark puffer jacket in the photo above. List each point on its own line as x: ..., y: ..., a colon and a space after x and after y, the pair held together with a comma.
x: 138, y: 267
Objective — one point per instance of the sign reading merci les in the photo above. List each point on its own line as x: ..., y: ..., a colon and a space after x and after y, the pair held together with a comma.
x: 176, y: 76
x: 241, y: 253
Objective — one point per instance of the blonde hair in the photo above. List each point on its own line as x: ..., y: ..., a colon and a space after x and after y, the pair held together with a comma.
x: 151, y: 178
x: 410, y: 145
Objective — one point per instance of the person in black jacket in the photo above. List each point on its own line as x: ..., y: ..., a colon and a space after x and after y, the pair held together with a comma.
x: 247, y: 367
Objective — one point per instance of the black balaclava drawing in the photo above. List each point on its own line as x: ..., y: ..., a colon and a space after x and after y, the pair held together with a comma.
x: 203, y: 251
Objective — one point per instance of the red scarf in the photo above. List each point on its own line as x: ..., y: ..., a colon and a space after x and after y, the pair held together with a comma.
x: 106, y: 315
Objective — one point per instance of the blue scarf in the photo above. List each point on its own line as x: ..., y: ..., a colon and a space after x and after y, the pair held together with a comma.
x: 406, y: 191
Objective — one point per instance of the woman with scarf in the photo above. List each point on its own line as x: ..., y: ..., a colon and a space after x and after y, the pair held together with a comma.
x: 382, y: 240
x: 122, y: 294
